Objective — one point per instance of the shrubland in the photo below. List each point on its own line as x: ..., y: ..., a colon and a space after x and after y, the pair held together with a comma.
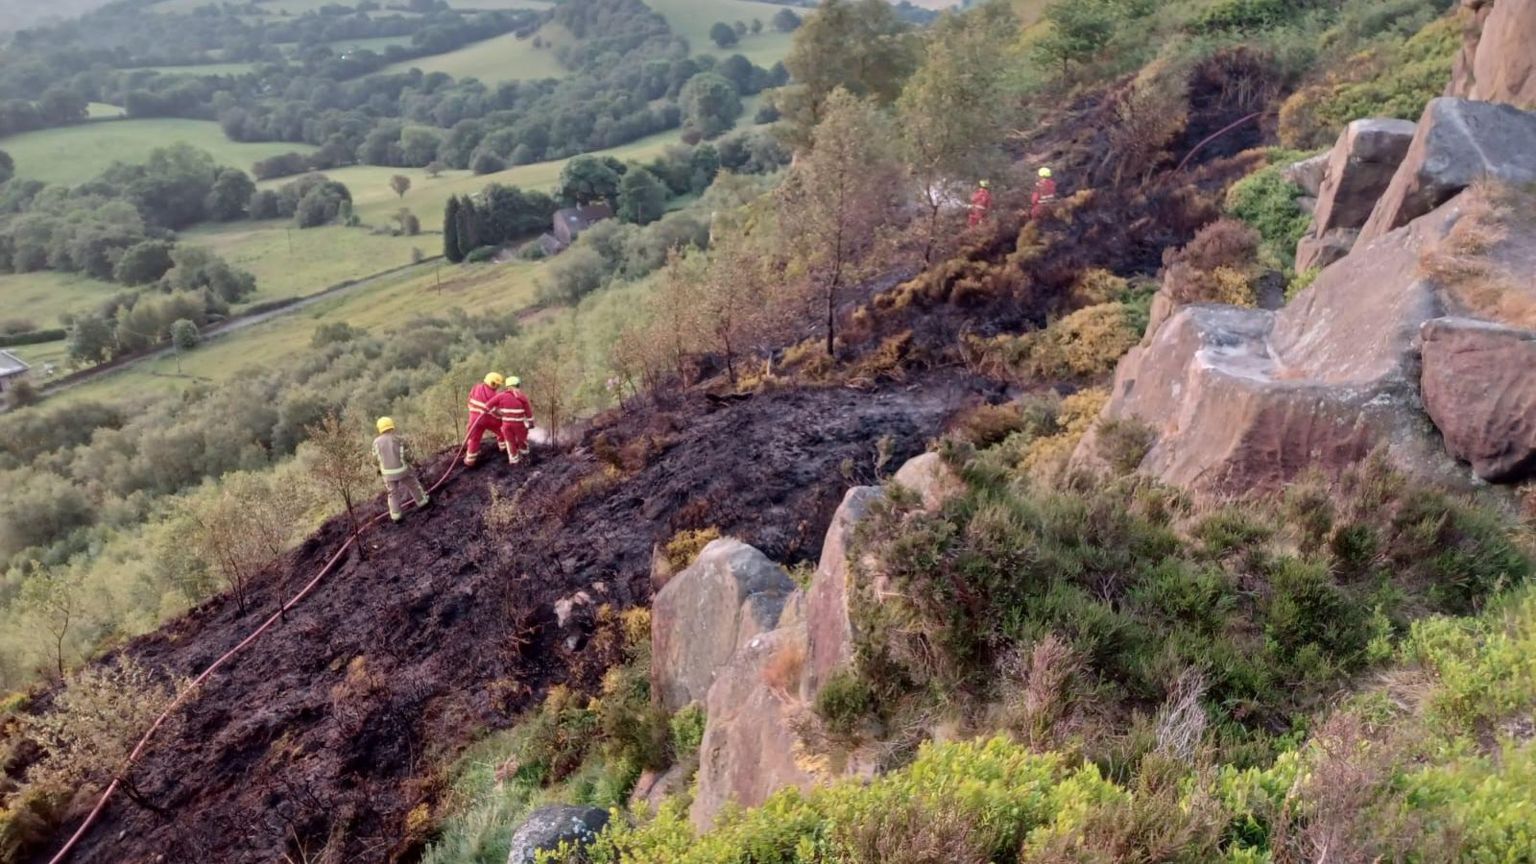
x: 1165, y: 686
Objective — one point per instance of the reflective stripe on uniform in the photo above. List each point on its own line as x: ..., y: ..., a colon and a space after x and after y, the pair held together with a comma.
x: 395, y: 473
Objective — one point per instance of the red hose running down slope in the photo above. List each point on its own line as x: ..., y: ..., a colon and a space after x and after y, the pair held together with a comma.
x: 197, y: 682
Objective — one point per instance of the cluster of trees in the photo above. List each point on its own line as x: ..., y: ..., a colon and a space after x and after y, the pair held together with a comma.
x: 909, y: 119
x: 638, y: 193
x: 120, y: 226
x: 726, y: 35
x: 499, y: 214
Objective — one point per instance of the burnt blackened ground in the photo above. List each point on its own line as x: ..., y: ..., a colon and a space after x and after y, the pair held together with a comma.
x: 327, y: 732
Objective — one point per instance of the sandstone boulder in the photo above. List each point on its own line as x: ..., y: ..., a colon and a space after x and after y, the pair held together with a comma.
x: 830, y: 630
x: 729, y: 595
x: 1479, y: 385
x: 547, y: 827
x: 1309, y: 173
x: 1458, y: 142
x: 931, y: 478
x: 1360, y: 167
x: 749, y: 748
x: 1497, y: 62
x: 1241, y: 399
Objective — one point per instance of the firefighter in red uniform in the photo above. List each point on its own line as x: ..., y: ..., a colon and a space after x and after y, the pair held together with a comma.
x: 515, y: 413
x: 481, y: 420
x: 981, y: 202
x: 1045, y: 193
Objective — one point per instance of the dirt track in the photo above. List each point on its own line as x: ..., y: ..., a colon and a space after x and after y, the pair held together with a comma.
x: 449, y: 630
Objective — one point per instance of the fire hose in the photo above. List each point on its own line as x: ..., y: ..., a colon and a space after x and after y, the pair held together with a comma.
x: 186, y: 694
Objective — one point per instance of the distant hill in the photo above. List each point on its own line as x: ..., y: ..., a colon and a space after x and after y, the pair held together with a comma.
x: 17, y: 14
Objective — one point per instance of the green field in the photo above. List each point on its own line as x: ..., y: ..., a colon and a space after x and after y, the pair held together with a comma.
x: 692, y: 19
x: 44, y: 296
x: 316, y: 259
x: 384, y: 305
x: 202, y: 69
x: 376, y: 44
x: 375, y: 202
x: 499, y: 4
x: 503, y: 58
x: 102, y: 111
x: 72, y: 154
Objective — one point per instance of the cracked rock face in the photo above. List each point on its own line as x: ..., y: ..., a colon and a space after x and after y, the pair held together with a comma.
x: 1458, y: 143
x: 1496, y: 63
x: 1244, y: 399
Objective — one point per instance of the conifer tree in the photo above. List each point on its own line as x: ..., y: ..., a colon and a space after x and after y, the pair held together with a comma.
x: 451, y: 248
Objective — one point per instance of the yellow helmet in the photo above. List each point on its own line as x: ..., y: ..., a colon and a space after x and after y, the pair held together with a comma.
x: 1045, y: 172
x: 494, y: 379
x: 985, y: 184
x: 514, y: 381
x: 385, y: 424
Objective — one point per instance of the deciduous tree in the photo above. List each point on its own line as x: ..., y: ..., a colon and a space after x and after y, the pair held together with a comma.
x: 230, y: 197
x: 862, y: 46
x: 588, y: 179
x: 336, y: 455
x: 954, y: 111
x: 401, y: 184
x: 835, y: 203
x: 723, y: 34
x: 710, y: 104
x: 642, y: 198
x: 52, y: 596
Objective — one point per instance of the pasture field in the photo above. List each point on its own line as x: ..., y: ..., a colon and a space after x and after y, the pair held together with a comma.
x: 384, y: 305
x: 490, y: 5
x: 317, y: 258
x: 103, y: 111
x: 375, y: 202
x: 692, y: 19
x: 201, y: 69
x: 44, y: 296
x: 377, y: 44
x: 73, y: 154
x: 501, y: 58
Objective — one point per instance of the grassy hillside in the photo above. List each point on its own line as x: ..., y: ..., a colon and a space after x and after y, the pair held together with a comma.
x: 504, y: 58
x: 72, y: 154
x: 692, y: 19
x: 288, y: 262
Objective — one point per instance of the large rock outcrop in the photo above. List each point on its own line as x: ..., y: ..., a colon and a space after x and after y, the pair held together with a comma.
x: 750, y: 745
x: 1479, y: 385
x: 829, y: 628
x: 1497, y: 62
x: 1457, y: 143
x: 708, y: 611
x: 1360, y: 168
x: 1242, y: 399
x: 547, y: 827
